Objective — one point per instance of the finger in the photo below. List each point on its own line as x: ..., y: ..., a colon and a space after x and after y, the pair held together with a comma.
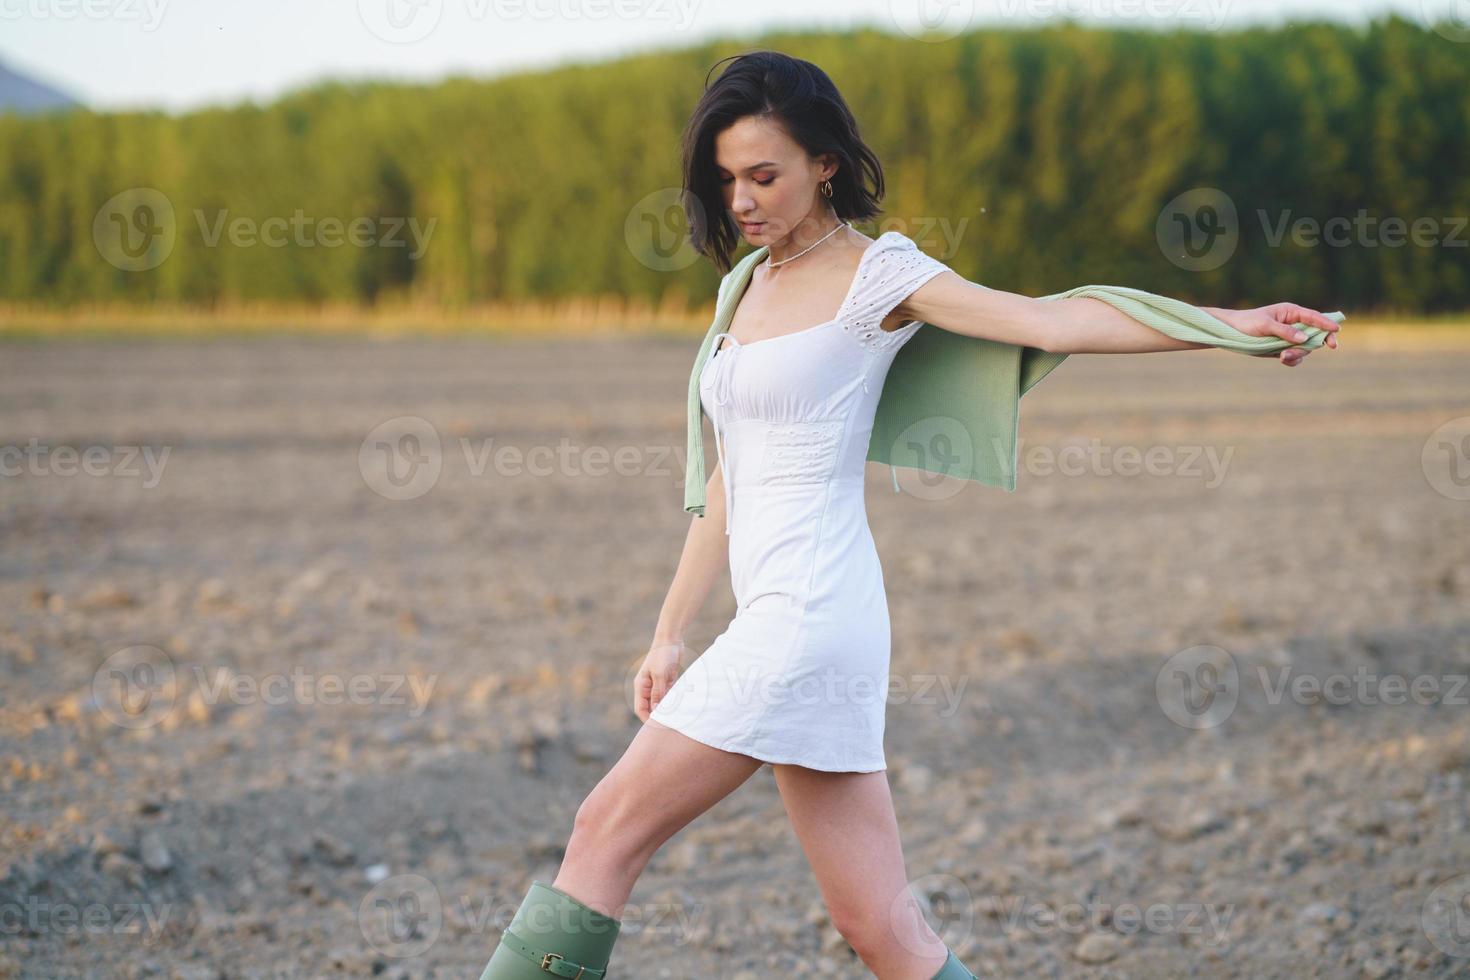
x: 1319, y: 319
x: 1315, y: 318
x: 1289, y: 331
x: 641, y: 707
x: 1280, y: 323
x: 662, y: 681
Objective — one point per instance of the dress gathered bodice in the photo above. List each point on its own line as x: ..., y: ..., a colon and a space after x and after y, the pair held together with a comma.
x: 813, y: 386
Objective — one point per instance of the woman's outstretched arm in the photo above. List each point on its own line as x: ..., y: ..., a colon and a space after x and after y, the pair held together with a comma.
x: 1083, y: 325
x: 1091, y: 326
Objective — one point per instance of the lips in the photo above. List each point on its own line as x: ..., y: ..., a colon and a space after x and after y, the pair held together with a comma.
x: 752, y: 225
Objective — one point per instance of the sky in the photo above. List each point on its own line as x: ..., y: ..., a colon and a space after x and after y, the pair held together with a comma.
x: 178, y: 55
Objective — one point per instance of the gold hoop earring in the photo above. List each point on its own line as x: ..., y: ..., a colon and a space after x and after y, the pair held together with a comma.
x: 827, y: 188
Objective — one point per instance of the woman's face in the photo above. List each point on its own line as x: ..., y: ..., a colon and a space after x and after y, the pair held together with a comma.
x: 769, y: 182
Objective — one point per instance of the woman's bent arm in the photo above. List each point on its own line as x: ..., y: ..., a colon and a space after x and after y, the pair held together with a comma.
x: 706, y: 552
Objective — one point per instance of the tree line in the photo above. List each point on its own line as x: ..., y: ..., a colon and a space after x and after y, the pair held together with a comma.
x: 1316, y: 162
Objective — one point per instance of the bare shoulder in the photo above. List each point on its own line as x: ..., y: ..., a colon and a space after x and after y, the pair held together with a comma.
x: 854, y: 246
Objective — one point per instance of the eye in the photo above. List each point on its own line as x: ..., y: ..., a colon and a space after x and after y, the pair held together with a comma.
x: 763, y: 183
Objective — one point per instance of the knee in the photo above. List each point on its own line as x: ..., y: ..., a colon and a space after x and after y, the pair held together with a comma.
x: 595, y: 815
x: 609, y: 819
x: 866, y: 929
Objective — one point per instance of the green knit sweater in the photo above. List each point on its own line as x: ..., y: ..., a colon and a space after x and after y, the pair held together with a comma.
x: 951, y: 403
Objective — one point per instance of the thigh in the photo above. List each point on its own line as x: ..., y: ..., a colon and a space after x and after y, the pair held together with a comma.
x: 668, y: 779
x: 662, y: 782
x: 848, y: 830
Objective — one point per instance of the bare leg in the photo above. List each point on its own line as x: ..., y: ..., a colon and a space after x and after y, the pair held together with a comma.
x: 662, y: 782
x: 846, y: 825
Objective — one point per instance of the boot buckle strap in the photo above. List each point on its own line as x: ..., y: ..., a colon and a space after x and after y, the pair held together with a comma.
x: 553, y: 963
x: 549, y: 958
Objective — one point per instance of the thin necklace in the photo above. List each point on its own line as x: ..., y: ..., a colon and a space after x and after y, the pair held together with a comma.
x: 840, y: 225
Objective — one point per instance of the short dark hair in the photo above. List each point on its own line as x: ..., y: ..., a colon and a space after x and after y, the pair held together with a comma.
x: 798, y: 95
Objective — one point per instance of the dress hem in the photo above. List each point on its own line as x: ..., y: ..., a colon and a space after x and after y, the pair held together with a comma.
x: 728, y: 746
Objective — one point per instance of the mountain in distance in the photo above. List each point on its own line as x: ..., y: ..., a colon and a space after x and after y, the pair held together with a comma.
x: 25, y: 96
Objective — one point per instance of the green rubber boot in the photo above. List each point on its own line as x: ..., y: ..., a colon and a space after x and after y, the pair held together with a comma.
x: 553, y: 934
x: 953, y: 969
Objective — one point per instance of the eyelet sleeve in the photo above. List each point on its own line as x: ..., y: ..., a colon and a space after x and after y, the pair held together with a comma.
x: 889, y: 273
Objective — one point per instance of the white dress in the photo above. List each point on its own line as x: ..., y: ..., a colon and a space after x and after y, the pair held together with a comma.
x: 801, y: 673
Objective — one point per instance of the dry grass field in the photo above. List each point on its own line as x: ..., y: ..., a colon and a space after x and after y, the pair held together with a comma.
x: 289, y: 695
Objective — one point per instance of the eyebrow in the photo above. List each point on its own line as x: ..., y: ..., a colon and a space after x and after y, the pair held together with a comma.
x: 757, y: 166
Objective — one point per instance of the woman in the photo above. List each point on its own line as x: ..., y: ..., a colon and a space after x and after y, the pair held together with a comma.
x: 798, y: 679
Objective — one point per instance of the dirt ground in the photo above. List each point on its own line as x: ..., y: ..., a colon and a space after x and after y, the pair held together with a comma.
x: 308, y: 698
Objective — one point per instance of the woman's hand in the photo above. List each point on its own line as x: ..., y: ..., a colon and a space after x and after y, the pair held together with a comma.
x: 1279, y: 320
x: 659, y: 671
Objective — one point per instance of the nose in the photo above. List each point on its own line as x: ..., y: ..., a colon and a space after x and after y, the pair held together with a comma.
x: 741, y: 200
